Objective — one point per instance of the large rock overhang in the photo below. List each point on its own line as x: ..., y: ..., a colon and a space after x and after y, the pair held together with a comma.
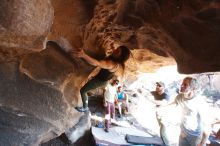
x: 40, y: 83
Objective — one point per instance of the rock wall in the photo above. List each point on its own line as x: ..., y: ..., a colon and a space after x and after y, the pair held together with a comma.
x: 40, y: 82
x: 38, y: 96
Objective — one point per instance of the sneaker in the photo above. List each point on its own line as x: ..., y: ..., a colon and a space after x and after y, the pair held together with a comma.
x: 82, y: 109
x: 100, y: 125
x: 106, y: 130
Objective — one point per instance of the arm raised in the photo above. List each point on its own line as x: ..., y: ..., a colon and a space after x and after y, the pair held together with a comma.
x: 106, y: 64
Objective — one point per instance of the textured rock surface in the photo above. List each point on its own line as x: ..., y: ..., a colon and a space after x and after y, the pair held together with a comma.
x: 84, y: 124
x: 188, y: 31
x: 40, y: 86
x: 24, y: 23
x: 37, y: 98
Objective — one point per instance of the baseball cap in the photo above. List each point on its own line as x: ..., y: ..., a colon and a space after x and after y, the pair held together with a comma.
x: 160, y: 83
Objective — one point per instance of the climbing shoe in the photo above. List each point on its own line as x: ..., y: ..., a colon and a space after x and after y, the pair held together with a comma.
x: 82, y: 109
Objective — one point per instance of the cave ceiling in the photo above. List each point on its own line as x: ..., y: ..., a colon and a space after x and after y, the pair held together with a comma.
x: 161, y: 32
x: 40, y: 82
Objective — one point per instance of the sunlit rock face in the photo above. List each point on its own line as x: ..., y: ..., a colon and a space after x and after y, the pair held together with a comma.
x: 40, y: 83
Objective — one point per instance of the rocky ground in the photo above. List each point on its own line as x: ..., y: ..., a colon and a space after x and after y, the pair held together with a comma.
x: 142, y: 118
x: 97, y: 112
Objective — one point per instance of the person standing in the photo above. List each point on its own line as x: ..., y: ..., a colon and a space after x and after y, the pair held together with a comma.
x: 110, y: 96
x: 160, y: 97
x: 196, y: 121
